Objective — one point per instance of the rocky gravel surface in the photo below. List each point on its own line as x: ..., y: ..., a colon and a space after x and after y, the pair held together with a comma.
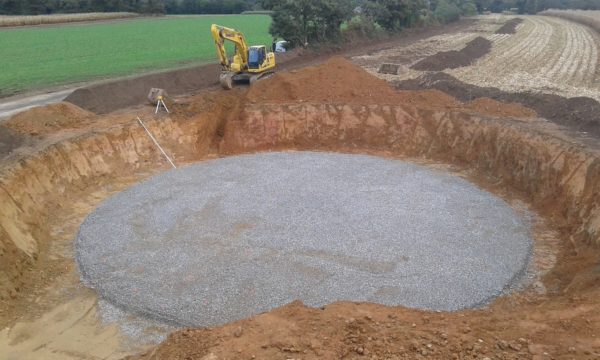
x: 225, y: 239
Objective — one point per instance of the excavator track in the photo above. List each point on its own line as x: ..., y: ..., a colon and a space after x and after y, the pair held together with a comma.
x: 228, y: 78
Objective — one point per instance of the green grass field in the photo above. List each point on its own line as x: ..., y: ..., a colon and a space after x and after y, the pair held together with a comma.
x: 41, y: 57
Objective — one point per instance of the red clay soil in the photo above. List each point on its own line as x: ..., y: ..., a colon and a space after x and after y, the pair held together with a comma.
x: 497, y: 108
x: 48, y: 119
x: 336, y: 82
x: 561, y: 321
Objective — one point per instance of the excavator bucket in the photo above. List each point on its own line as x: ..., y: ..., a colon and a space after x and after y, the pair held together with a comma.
x: 226, y: 80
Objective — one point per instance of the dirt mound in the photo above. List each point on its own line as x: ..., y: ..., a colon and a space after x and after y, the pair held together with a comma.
x: 428, y: 99
x: 509, y: 27
x: 336, y: 81
x: 48, y: 119
x: 498, y: 108
x: 350, y: 84
x: 577, y: 113
x: 453, y: 59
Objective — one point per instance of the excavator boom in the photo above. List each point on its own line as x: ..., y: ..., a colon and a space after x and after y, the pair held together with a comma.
x: 220, y: 34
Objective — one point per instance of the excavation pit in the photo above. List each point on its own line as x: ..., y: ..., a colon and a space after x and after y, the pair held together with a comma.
x: 226, y: 239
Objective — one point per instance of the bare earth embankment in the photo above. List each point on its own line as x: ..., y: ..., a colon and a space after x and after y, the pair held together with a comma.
x: 72, y: 160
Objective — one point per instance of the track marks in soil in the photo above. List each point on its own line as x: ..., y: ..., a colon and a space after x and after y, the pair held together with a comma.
x: 545, y: 54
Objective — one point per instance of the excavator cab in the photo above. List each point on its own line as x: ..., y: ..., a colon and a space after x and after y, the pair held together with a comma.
x: 256, y: 56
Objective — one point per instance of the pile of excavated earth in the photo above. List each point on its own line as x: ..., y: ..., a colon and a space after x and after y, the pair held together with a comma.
x: 74, y: 160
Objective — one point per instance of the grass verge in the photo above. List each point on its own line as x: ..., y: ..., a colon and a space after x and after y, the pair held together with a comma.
x: 42, y: 57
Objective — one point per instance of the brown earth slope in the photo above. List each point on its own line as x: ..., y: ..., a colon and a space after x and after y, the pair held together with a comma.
x: 558, y: 318
x: 340, y: 81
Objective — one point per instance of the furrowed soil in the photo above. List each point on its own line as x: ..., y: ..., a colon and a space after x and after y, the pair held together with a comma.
x: 47, y: 189
x: 543, y: 55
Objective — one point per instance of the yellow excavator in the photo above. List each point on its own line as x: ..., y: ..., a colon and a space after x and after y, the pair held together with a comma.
x: 248, y: 64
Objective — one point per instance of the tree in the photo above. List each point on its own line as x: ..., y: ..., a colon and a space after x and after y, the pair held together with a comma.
x: 151, y: 7
x: 446, y: 12
x: 482, y: 5
x: 531, y: 7
x: 305, y: 21
x: 11, y: 7
x: 394, y: 15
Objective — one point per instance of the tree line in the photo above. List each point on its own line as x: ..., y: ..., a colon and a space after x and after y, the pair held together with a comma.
x: 409, y: 11
x: 535, y: 6
x: 39, y: 7
x: 303, y: 22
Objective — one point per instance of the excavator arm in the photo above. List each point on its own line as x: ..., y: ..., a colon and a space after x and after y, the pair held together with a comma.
x: 240, y: 59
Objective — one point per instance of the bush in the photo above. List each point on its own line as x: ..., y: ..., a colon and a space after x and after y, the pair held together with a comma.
x: 446, y: 12
x: 468, y: 9
x: 362, y: 26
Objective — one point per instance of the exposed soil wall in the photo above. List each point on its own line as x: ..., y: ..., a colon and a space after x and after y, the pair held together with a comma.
x: 559, y: 176
x: 546, y: 168
x: 32, y: 189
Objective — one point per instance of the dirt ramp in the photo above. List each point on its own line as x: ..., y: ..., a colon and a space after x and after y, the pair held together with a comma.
x: 108, y: 97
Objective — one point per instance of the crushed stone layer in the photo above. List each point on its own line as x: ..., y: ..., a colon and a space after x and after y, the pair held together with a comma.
x: 229, y: 238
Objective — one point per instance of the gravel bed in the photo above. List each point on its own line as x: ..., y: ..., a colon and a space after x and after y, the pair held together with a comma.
x: 229, y: 238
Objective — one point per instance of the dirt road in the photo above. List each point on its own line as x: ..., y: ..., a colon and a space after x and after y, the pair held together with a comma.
x: 13, y: 105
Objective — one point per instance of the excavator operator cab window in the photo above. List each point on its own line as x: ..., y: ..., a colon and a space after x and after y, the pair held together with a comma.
x: 256, y: 56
